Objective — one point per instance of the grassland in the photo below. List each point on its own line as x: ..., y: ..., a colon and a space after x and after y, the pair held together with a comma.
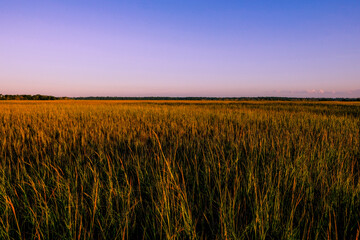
x: 179, y: 170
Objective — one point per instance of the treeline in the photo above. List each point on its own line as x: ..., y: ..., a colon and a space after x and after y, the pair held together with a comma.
x: 29, y: 97
x: 221, y: 98
x: 46, y: 97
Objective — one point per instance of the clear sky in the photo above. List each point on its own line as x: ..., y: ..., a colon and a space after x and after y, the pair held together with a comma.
x: 180, y: 48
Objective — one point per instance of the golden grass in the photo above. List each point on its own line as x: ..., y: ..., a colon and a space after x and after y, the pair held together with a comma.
x: 179, y: 170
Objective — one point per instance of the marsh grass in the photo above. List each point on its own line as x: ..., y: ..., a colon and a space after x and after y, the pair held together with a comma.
x: 179, y: 170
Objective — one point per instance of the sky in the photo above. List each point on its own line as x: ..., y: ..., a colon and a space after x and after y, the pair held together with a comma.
x: 297, y: 48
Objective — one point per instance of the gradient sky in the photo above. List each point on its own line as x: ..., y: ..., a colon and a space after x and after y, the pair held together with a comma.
x: 218, y: 48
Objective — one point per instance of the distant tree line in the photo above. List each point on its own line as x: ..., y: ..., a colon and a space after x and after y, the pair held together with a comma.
x: 29, y: 97
x: 45, y: 97
x: 221, y: 98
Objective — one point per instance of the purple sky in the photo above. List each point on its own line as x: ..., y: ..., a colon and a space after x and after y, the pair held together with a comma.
x: 180, y: 48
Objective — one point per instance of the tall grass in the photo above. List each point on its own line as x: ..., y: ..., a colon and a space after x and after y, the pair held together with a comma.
x: 179, y: 170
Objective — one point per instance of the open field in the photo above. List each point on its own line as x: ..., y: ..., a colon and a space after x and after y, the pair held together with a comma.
x: 179, y: 170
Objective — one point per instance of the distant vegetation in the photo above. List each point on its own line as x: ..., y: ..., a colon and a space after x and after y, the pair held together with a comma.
x: 29, y: 97
x: 44, y: 97
x: 179, y: 170
x: 221, y: 98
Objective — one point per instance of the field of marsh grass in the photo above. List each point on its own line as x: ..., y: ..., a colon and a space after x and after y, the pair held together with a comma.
x: 179, y: 170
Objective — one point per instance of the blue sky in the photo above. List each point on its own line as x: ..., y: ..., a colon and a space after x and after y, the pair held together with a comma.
x: 180, y: 48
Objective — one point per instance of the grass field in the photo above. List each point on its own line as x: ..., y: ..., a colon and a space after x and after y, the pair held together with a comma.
x: 179, y: 170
